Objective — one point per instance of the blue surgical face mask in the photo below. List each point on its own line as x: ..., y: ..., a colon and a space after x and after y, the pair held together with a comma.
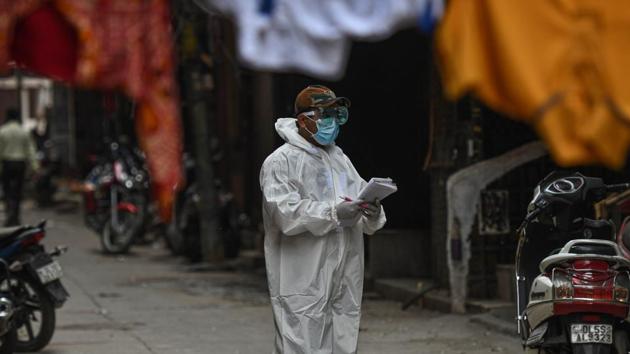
x: 327, y: 131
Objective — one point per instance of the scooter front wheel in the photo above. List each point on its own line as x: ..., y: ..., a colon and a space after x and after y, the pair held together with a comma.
x: 8, y: 343
x: 620, y: 344
x: 115, y: 241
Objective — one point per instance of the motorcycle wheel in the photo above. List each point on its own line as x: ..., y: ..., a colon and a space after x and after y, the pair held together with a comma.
x: 8, y: 343
x: 174, y: 238
x: 192, y: 239
x: 36, y: 317
x: 116, y: 241
x: 182, y: 232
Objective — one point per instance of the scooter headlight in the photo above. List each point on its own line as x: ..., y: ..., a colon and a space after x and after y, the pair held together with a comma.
x: 562, y: 285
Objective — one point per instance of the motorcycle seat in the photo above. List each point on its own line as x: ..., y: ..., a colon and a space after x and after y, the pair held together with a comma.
x: 9, y: 231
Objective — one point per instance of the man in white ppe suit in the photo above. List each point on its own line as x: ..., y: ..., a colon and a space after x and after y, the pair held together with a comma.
x: 314, y: 230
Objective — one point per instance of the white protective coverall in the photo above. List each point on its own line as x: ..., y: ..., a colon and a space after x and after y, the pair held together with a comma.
x: 314, y: 266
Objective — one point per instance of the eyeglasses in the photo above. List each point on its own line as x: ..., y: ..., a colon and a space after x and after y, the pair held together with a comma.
x: 340, y: 114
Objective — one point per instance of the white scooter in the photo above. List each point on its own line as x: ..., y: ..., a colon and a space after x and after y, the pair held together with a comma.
x: 572, y: 278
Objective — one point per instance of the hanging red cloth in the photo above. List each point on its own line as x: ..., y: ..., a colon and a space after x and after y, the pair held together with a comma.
x: 10, y: 13
x: 128, y: 45
x: 107, y: 44
x: 46, y: 43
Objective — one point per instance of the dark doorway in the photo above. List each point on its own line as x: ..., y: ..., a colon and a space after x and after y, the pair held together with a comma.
x: 386, y: 136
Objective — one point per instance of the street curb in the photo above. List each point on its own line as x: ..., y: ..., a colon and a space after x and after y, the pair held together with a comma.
x: 247, y: 261
x: 491, y: 322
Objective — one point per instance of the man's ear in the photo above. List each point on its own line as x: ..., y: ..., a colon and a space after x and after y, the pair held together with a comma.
x: 300, y: 120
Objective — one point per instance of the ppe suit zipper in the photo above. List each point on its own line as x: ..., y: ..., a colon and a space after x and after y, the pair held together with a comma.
x: 342, y: 245
x: 338, y: 273
x: 332, y: 175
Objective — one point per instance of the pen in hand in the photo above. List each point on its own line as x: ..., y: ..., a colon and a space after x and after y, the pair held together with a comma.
x: 362, y: 205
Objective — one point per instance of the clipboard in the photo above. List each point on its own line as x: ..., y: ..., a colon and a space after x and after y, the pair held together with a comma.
x: 378, y: 188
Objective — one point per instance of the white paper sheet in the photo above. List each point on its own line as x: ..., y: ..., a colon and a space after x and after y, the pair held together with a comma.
x: 378, y: 188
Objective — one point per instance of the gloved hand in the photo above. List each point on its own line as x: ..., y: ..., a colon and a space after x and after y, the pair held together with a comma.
x: 372, y: 210
x: 349, y: 210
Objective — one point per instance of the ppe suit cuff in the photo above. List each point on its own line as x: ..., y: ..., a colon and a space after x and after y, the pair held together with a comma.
x: 370, y: 226
x: 333, y: 214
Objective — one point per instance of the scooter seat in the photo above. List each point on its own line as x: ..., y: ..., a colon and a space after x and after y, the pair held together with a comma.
x: 581, y: 249
x: 605, y: 250
x: 9, y: 231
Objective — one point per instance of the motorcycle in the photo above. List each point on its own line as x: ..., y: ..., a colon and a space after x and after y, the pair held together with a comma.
x: 116, y: 199
x: 33, y: 284
x: 8, y: 333
x: 183, y: 233
x: 50, y: 167
x: 572, y: 278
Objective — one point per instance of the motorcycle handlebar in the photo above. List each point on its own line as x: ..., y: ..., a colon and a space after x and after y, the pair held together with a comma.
x: 617, y: 187
x: 533, y: 214
x: 528, y: 218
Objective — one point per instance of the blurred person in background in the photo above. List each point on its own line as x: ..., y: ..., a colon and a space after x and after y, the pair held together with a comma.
x: 314, y: 231
x: 17, y: 152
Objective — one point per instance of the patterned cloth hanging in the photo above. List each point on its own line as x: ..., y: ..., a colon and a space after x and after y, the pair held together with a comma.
x: 107, y: 44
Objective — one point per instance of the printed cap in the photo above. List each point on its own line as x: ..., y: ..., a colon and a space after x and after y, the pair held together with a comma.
x: 317, y: 96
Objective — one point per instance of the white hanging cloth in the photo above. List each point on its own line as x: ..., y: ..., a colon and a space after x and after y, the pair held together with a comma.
x: 314, y: 37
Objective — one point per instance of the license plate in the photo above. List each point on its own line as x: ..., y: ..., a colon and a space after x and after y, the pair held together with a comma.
x: 50, y: 272
x: 591, y: 333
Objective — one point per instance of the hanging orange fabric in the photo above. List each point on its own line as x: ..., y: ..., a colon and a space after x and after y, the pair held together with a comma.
x: 122, y: 44
x: 561, y: 65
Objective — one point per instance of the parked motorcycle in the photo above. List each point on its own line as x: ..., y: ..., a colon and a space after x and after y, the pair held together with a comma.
x: 116, y: 199
x: 8, y: 331
x: 183, y: 233
x: 571, y: 276
x: 32, y: 284
x: 183, y: 229
x: 50, y: 167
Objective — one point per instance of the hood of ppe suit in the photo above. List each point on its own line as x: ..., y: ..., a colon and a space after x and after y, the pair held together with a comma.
x: 314, y: 265
x: 288, y: 130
